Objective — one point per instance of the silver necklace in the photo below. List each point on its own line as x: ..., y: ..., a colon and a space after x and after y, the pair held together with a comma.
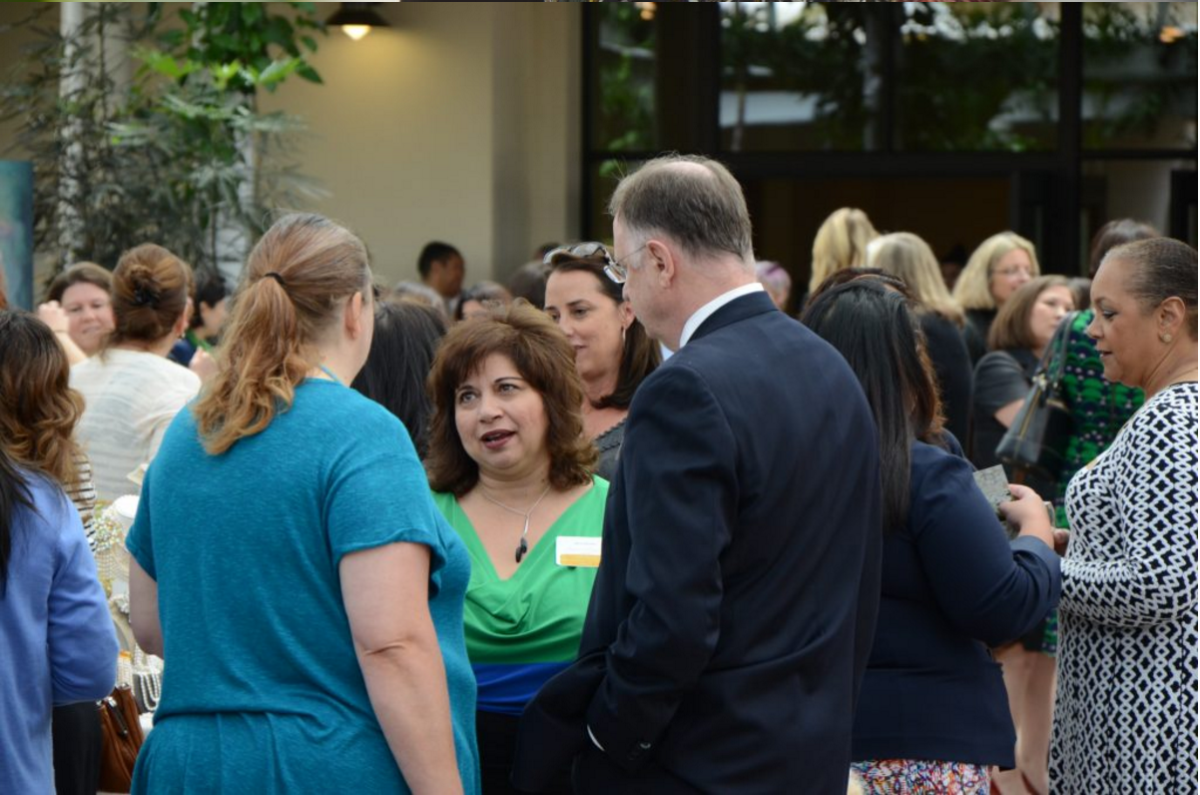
x: 522, y: 547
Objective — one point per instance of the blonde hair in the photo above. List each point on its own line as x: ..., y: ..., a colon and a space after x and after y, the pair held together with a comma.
x: 296, y: 279
x: 909, y: 258
x: 973, y: 290
x: 841, y: 243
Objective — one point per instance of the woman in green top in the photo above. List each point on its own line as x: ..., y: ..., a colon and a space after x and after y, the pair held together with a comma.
x: 510, y: 467
x: 1099, y: 407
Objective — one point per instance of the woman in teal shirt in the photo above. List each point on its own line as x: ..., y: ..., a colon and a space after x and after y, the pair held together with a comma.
x: 510, y: 467
x: 289, y: 565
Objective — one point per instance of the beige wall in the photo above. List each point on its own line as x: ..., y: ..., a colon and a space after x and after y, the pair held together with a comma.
x: 460, y: 123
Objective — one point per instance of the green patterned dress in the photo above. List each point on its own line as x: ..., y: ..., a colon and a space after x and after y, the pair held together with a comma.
x: 1099, y: 408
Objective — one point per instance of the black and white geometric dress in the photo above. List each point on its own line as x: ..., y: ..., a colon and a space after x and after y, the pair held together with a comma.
x: 1125, y: 715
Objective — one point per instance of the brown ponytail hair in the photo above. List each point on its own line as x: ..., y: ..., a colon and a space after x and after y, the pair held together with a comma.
x: 150, y: 290
x: 296, y: 279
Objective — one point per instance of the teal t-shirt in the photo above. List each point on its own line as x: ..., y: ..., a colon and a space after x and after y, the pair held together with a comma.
x: 524, y: 630
x: 262, y: 691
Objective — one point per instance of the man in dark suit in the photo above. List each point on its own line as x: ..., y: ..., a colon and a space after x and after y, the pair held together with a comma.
x: 736, y: 598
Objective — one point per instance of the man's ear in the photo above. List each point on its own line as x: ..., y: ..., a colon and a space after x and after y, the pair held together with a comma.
x: 662, y: 259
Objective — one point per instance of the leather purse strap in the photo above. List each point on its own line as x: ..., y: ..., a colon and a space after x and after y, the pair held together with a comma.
x: 1054, y: 360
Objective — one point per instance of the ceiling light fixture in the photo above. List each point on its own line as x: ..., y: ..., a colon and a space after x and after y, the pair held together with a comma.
x: 357, y: 19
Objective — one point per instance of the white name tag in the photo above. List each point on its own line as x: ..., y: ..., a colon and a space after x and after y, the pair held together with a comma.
x: 577, y: 551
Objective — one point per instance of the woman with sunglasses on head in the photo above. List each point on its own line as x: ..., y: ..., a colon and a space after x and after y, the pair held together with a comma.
x: 613, y: 353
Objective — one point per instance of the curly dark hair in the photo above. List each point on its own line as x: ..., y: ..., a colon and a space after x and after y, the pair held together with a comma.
x: 545, y: 359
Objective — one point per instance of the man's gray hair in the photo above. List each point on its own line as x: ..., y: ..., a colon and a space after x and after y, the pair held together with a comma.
x: 693, y: 199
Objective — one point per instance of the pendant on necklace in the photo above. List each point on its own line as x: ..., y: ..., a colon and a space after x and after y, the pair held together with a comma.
x: 522, y: 548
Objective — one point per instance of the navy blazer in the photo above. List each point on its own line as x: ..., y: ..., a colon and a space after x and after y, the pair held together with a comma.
x: 953, y: 585
x: 734, y: 607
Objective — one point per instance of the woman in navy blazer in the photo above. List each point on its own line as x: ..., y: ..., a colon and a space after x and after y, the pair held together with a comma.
x: 932, y: 715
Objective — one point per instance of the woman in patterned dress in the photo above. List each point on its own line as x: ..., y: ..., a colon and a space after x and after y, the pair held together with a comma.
x: 1125, y: 715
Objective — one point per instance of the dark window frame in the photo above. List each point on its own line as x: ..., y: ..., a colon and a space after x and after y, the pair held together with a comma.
x: 1046, y: 184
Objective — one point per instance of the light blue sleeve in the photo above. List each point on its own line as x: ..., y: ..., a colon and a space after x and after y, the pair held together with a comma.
x: 81, y: 641
x: 378, y: 492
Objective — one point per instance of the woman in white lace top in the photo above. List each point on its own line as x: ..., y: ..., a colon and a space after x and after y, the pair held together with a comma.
x: 1126, y: 710
x: 131, y: 390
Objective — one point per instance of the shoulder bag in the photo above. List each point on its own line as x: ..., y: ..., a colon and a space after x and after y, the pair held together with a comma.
x: 123, y: 737
x: 1036, y: 442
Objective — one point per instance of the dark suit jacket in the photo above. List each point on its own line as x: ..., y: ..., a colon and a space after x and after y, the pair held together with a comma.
x: 736, y: 598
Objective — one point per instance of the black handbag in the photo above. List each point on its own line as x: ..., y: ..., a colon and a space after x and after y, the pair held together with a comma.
x: 1036, y: 442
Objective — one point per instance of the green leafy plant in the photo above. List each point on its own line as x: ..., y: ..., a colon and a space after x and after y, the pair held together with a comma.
x: 1140, y: 69
x: 626, y: 80
x: 182, y: 155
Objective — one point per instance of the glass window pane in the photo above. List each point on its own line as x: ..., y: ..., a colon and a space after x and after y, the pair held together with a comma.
x: 604, y: 176
x: 1139, y: 74
x: 1139, y: 189
x: 623, y: 78
x: 798, y: 76
x: 978, y: 77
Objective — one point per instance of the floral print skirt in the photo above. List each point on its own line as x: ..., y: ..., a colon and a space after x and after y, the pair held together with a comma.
x: 920, y: 777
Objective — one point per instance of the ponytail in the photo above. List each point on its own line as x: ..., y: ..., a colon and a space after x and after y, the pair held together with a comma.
x: 296, y: 279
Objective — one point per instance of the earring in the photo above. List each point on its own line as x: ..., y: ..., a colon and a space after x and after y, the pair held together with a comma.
x: 1165, y: 337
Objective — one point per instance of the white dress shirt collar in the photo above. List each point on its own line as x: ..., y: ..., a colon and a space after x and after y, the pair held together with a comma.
x: 705, y: 312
